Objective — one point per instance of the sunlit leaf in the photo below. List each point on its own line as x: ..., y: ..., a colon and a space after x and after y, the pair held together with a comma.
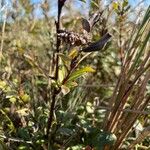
x: 115, y: 5
x: 22, y: 147
x: 78, y: 73
x: 89, y: 107
x: 25, y: 98
x: 73, y: 53
x: 62, y: 71
x: 12, y: 99
x: 64, y: 89
x: 138, y: 126
x: 2, y: 84
x: 23, y: 112
x: 77, y: 147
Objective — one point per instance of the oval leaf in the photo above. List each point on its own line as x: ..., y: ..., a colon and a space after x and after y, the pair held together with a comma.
x: 73, y: 53
x: 78, y: 73
x: 64, y: 89
x: 86, y: 25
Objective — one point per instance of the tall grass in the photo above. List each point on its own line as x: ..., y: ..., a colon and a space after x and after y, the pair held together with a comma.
x: 131, y: 89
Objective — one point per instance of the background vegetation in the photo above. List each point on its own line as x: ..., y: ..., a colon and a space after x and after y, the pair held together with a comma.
x: 56, y: 95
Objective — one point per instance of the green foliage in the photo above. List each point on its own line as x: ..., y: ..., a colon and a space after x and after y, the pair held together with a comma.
x: 2, y: 146
x: 97, y: 99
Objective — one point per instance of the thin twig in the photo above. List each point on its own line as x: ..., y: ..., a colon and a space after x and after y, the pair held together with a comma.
x: 15, y: 139
x: 2, y: 36
x: 55, y: 91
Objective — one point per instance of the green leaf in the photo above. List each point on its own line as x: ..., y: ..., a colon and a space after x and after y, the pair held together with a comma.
x: 94, y: 4
x: 12, y: 100
x: 24, y: 133
x: 125, y: 3
x: 22, y: 147
x: 2, y: 146
x: 89, y: 107
x: 25, y: 98
x: 9, y: 123
x: 2, y: 85
x: 77, y: 147
x: 103, y: 139
x: 78, y: 73
x: 71, y: 84
x: 99, y: 138
x: 115, y: 5
x: 62, y: 71
x: 73, y: 53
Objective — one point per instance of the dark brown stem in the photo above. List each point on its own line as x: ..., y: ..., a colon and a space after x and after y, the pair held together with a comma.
x: 120, y: 40
x: 55, y: 91
x: 50, y: 119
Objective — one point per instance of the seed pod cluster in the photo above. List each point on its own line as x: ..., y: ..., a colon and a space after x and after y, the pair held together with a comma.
x: 73, y: 38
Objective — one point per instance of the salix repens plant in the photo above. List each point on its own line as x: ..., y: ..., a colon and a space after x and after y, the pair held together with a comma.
x: 66, y: 67
x: 47, y: 99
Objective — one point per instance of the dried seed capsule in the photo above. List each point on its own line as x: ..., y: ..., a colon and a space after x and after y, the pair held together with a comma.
x: 72, y: 38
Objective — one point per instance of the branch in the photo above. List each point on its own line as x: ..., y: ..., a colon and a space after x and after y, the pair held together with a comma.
x: 15, y: 139
x: 55, y: 91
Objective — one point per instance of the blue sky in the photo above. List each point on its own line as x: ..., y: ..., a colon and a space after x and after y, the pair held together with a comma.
x: 77, y: 3
x: 132, y: 2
